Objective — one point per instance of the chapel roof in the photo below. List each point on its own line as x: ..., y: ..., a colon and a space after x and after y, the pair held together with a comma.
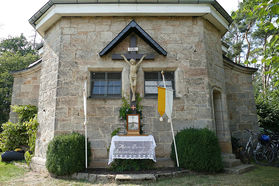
x: 238, y: 67
x: 27, y: 69
x: 54, y: 9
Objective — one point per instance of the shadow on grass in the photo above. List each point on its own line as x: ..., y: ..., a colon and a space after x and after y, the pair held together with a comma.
x: 261, y: 175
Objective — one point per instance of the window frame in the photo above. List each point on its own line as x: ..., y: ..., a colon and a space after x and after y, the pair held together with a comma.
x: 159, y: 78
x: 106, y: 87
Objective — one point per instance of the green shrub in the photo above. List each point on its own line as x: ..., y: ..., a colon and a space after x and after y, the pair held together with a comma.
x: 120, y: 165
x: 31, y: 130
x: 13, y: 136
x: 24, y: 112
x: 22, y: 133
x: 198, y: 150
x: 268, y: 116
x: 66, y: 154
x: 28, y: 157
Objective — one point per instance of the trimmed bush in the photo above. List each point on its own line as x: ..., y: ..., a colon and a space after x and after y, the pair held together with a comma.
x: 198, y: 150
x: 120, y: 165
x: 66, y: 154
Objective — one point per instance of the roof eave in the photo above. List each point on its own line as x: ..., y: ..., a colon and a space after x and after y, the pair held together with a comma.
x: 229, y: 63
x: 36, y: 66
x: 55, y: 15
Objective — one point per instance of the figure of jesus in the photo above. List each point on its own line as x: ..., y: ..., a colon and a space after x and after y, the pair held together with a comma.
x: 133, y: 74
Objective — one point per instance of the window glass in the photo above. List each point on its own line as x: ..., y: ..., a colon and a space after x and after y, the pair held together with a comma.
x: 154, y: 79
x: 106, y: 84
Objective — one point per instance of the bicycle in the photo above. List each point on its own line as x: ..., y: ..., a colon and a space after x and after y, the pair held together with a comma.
x: 244, y: 153
x: 275, y: 147
x: 264, y: 153
x: 250, y: 145
x: 238, y: 150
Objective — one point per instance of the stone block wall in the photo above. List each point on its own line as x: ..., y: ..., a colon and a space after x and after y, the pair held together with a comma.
x: 26, y: 88
x: 47, y: 93
x: 216, y: 84
x: 194, y: 54
x: 240, y: 98
x: 82, y: 38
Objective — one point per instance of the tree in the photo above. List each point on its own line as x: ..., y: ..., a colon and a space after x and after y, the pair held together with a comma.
x: 254, y: 39
x: 268, y: 16
x: 15, y: 54
x: 16, y: 44
x: 239, y: 37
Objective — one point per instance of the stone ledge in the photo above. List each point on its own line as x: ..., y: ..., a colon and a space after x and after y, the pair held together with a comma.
x: 239, y: 169
x: 134, y: 177
x: 127, y: 177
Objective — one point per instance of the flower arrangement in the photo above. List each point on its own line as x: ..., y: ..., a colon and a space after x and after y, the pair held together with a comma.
x: 126, y: 109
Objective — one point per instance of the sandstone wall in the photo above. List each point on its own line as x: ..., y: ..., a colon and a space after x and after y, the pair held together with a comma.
x: 216, y: 84
x: 82, y: 38
x: 25, y: 88
x: 240, y: 98
x: 71, y: 53
x: 47, y: 94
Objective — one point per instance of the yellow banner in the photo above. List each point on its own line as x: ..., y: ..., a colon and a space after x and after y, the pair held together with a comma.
x: 161, y: 100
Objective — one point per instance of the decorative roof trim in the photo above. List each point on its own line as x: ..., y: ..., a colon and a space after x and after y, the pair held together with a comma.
x: 232, y: 65
x: 133, y: 27
x: 55, y: 9
x: 50, y: 3
x: 30, y: 69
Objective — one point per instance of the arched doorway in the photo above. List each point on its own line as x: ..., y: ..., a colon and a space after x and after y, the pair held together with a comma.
x: 218, y: 113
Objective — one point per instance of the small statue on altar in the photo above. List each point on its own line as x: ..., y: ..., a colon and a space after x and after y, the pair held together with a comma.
x: 133, y: 73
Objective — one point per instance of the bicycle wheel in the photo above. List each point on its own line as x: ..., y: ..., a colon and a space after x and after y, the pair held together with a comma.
x: 258, y: 155
x: 276, y: 158
x: 249, y: 153
x: 270, y: 155
x: 264, y: 155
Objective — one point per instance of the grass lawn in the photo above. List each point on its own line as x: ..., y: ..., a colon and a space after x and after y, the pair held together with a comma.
x: 259, y: 176
x: 13, y: 175
x: 9, y: 171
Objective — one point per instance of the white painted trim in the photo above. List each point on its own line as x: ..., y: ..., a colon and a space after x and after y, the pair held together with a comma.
x: 59, y: 10
x: 225, y: 49
x: 105, y: 69
x: 29, y: 71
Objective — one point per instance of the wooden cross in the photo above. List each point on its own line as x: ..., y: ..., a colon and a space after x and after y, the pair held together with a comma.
x: 132, y: 51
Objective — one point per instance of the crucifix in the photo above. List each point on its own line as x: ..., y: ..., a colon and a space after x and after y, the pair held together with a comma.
x: 132, y: 52
x: 131, y: 58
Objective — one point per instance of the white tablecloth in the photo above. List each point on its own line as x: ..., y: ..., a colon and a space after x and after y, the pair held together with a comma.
x: 132, y: 147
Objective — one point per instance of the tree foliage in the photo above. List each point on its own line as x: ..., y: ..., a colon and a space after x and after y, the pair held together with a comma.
x: 16, y: 44
x: 240, y: 35
x: 23, y: 133
x: 15, y: 54
x: 254, y: 40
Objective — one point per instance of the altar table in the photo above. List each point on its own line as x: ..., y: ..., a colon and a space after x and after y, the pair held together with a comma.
x: 132, y: 147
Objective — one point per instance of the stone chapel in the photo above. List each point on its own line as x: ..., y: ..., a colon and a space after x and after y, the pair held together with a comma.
x: 84, y: 39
